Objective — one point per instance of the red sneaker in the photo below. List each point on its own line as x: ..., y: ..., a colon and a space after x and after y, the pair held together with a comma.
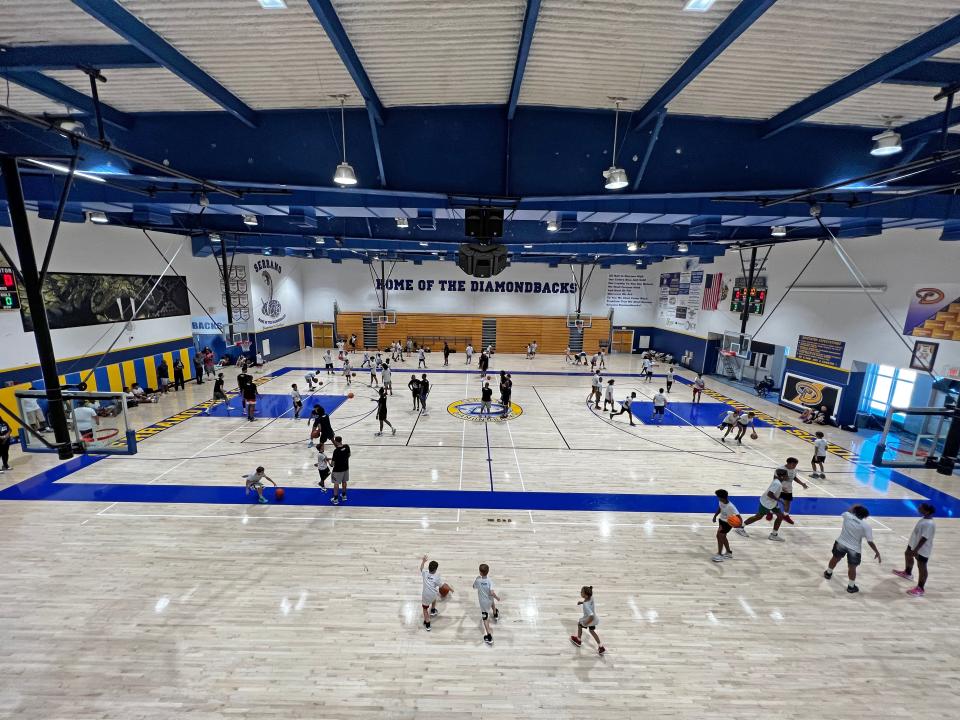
x: 916, y: 592
x: 788, y: 519
x: 769, y: 517
x: 576, y: 641
x: 905, y: 575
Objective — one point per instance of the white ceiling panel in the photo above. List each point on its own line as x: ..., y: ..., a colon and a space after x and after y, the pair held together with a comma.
x: 50, y: 22
x: 800, y: 46
x: 25, y: 101
x: 147, y: 90
x: 907, y: 102
x: 585, y: 51
x: 449, y: 52
x: 951, y: 54
x: 270, y: 59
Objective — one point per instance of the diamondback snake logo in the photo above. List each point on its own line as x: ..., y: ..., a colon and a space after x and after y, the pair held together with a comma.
x: 808, y: 393
x: 929, y: 296
x: 270, y: 306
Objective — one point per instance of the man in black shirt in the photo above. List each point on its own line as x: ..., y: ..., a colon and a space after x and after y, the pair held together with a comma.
x: 163, y: 376
x: 382, y: 412
x: 486, y: 397
x: 178, y: 383
x: 243, y: 379
x: 414, y: 386
x: 322, y: 428
x: 5, y: 439
x: 341, y: 470
x: 506, y: 391
x: 424, y: 391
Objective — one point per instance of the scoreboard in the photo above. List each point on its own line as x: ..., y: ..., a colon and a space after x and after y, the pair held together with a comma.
x: 756, y: 300
x: 9, y: 295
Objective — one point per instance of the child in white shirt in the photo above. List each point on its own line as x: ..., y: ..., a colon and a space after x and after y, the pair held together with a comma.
x: 486, y: 596
x: 919, y: 548
x: 431, y: 590
x: 588, y: 620
x: 819, y: 455
x: 725, y: 511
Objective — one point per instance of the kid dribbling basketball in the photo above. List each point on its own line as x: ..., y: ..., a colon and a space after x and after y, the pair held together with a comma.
x: 431, y: 590
x: 725, y: 511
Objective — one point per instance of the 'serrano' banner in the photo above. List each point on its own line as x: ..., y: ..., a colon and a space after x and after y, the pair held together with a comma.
x: 519, y: 287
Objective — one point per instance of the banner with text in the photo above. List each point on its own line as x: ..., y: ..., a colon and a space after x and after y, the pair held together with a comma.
x: 820, y: 350
x: 680, y: 299
x: 629, y: 290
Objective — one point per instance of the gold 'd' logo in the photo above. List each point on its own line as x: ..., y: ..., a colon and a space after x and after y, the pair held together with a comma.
x: 808, y: 393
x: 929, y: 296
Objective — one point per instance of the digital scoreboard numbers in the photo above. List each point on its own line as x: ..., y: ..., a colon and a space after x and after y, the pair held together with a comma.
x: 756, y: 300
x: 9, y: 295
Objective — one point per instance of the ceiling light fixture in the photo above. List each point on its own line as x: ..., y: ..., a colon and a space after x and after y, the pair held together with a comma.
x: 214, y: 237
x: 778, y: 231
x: 632, y: 246
x: 63, y: 169
x: 552, y: 226
x: 100, y: 218
x: 273, y: 4
x: 423, y: 244
x: 528, y: 246
x: 616, y: 178
x: 886, y: 143
x: 683, y: 247
x: 698, y: 5
x: 267, y: 251
x: 403, y: 223
x: 250, y: 220
x: 344, y: 174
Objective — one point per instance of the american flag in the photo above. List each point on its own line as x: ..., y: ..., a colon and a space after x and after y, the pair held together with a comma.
x: 712, y: 288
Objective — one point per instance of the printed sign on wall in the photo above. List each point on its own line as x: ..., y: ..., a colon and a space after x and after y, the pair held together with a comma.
x: 629, y: 290
x: 820, y: 350
x: 681, y: 299
x: 934, y: 312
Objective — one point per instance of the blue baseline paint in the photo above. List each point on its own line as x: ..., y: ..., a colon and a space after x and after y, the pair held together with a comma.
x: 276, y: 406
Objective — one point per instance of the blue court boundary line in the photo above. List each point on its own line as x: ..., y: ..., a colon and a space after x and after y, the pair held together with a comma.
x: 47, y: 486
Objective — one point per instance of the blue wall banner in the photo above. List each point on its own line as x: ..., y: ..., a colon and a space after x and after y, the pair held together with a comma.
x: 820, y: 350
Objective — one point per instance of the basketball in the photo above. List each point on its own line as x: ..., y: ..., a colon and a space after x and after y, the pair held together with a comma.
x: 354, y: 374
x: 350, y: 395
x: 445, y: 590
x: 754, y: 436
x: 315, y: 433
x: 734, y: 521
x: 279, y: 494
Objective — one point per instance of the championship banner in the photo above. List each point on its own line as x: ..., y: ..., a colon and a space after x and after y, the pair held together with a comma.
x: 934, y: 312
x: 802, y: 392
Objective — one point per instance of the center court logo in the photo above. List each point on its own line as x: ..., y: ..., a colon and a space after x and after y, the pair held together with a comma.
x: 472, y: 409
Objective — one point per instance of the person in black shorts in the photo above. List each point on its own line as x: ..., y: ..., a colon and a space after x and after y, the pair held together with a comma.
x: 322, y: 428
x: 486, y: 398
x: 506, y: 392
x: 414, y: 386
x: 424, y: 391
x: 483, y: 363
x: 250, y: 399
x: 341, y: 470
x: 218, y: 392
x: 382, y: 412
x: 5, y: 439
x: 625, y: 408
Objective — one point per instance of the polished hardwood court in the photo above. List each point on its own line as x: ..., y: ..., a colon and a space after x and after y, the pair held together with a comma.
x: 162, y: 606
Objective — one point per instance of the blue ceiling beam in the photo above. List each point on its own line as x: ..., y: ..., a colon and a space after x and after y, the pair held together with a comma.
x: 131, y: 29
x: 735, y: 24
x: 930, y: 73
x: 928, y: 125
x: 933, y: 41
x: 375, y: 133
x: 654, y: 136
x: 70, y: 57
x: 523, y: 52
x: 57, y: 91
x: 330, y: 21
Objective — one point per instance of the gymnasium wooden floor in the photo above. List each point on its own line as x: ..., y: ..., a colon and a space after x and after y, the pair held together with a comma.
x: 150, y: 587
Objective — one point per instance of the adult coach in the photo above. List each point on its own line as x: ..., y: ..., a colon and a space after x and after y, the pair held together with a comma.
x: 341, y: 470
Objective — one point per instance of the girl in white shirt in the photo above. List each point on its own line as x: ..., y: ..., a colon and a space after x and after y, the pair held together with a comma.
x: 919, y: 548
x: 819, y: 455
x: 588, y: 620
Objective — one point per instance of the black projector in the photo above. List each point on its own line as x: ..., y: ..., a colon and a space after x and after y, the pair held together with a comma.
x: 482, y: 261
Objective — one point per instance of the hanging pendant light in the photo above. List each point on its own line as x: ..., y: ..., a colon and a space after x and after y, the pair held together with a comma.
x: 616, y: 178
x: 344, y: 174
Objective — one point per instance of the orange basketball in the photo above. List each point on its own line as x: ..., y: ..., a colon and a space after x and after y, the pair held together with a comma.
x: 445, y: 590
x: 734, y: 521
x: 350, y: 395
x: 315, y: 433
x: 279, y: 494
x: 754, y: 436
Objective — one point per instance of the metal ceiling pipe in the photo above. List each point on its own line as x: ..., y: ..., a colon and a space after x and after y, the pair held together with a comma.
x: 906, y: 196
x: 107, y: 147
x: 923, y: 163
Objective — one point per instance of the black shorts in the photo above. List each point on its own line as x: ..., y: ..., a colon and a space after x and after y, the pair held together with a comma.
x: 853, y: 558
x: 921, y: 560
x: 725, y: 527
x: 329, y: 366
x: 819, y: 459
x: 324, y: 473
x: 786, y: 496
x: 658, y: 409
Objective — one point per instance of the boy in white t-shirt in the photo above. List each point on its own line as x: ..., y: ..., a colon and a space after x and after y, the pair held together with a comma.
x: 625, y: 408
x: 608, y: 396
x: 431, y: 590
x: 819, y: 455
x: 323, y: 468
x: 469, y: 353
x: 588, y: 620
x: 670, y: 378
x: 327, y: 362
x: 725, y: 511
x: 769, y: 506
x: 919, y: 548
x: 786, y: 493
x: 297, y: 401
x: 486, y: 596
x: 254, y: 481
x: 855, y: 531
x: 729, y: 421
x: 659, y: 407
x: 347, y: 370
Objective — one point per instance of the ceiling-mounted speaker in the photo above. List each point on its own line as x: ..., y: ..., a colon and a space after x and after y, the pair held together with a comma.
x: 482, y: 261
x: 483, y: 222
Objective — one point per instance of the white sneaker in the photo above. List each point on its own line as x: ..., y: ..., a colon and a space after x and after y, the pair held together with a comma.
x: 394, y: 431
x: 717, y: 558
x: 378, y: 434
x: 775, y: 537
x: 728, y: 556
x: 741, y: 532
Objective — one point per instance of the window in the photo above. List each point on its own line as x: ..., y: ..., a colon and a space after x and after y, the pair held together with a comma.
x: 891, y: 386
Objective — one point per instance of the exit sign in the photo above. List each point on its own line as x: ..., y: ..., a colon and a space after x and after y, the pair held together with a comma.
x: 9, y: 296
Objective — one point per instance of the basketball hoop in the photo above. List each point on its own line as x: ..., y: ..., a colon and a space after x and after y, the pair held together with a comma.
x: 728, y: 353
x: 244, y: 345
x: 579, y: 325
